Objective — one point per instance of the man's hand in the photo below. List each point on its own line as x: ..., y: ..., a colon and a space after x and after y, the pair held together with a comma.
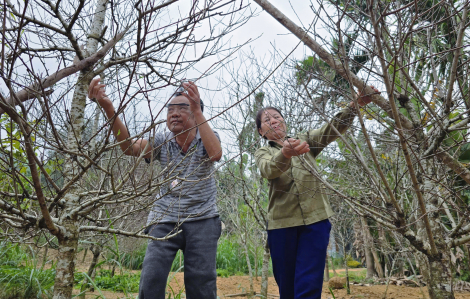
x: 362, y: 99
x: 96, y: 92
x: 294, y: 147
x: 192, y: 94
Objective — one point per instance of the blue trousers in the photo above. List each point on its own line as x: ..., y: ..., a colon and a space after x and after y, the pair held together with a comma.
x: 298, y: 255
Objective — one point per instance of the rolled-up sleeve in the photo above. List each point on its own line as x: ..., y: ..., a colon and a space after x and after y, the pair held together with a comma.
x: 270, y: 165
x: 318, y: 139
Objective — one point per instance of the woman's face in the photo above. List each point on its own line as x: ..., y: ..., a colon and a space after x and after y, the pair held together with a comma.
x: 273, y: 126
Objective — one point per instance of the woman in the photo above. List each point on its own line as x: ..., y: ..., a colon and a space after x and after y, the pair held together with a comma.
x: 298, y: 212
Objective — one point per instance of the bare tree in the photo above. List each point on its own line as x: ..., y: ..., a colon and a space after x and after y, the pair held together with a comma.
x: 62, y: 174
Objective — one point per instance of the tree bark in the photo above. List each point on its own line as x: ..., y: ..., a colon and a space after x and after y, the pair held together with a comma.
x: 333, y: 267
x: 265, y: 270
x: 65, y: 268
x: 248, y: 263
x: 346, y: 269
x: 437, y: 275
x: 467, y: 252
x: 377, y: 264
x: 91, y: 270
x: 367, y: 250
x: 326, y: 276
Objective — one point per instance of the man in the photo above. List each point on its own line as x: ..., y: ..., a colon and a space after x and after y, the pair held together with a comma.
x: 187, y: 199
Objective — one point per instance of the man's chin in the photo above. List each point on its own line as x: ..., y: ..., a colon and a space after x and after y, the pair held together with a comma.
x: 176, y: 128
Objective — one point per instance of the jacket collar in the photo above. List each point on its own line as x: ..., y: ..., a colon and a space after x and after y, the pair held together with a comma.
x: 275, y: 144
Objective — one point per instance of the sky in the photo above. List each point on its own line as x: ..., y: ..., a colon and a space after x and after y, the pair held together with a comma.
x: 265, y: 36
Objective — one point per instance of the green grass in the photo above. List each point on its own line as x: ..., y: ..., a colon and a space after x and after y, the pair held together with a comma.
x: 20, y: 275
x: 126, y: 282
x: 231, y: 258
x: 354, y: 276
x: 135, y: 259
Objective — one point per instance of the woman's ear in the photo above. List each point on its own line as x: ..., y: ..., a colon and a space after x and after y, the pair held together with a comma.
x: 260, y: 132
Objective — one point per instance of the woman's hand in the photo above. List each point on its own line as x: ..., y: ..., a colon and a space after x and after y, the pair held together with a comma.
x: 294, y: 147
x: 96, y: 92
x: 362, y: 99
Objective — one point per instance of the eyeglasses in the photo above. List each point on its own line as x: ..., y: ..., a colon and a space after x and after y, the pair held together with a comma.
x: 181, y: 108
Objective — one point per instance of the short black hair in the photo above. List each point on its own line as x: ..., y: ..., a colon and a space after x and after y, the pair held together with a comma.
x: 259, y: 114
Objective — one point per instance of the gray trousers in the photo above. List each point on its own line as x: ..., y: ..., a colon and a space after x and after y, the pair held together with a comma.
x: 198, y: 241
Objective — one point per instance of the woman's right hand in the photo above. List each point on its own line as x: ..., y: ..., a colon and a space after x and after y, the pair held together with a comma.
x: 294, y: 147
x: 96, y: 92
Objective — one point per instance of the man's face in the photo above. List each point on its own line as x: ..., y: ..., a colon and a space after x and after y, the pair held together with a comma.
x: 179, y: 117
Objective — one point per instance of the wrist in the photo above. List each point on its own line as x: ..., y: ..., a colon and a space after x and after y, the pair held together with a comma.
x: 199, y: 116
x: 284, y: 153
x: 106, y: 104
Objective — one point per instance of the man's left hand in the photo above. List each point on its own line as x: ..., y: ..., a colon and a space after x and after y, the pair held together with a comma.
x: 192, y: 94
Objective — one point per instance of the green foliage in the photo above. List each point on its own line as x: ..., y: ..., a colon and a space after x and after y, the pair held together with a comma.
x: 338, y: 262
x: 20, y: 276
x: 135, y: 259
x: 354, y: 264
x: 231, y: 259
x: 223, y: 273
x: 126, y: 282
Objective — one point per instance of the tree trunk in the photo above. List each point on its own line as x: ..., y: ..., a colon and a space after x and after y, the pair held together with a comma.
x: 84, y: 254
x: 437, y: 275
x: 333, y: 267
x: 346, y: 269
x: 65, y: 267
x: 44, y: 259
x: 248, y: 263
x: 436, y: 269
x: 91, y: 270
x: 256, y: 264
x: 326, y: 276
x: 367, y: 250
x: 377, y: 264
x: 265, y: 270
x: 68, y: 240
x: 467, y: 252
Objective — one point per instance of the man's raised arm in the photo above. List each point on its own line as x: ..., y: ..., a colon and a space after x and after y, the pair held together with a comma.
x: 130, y: 147
x: 209, y: 139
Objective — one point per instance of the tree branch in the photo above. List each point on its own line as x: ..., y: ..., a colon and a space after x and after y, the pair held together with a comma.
x: 34, y: 90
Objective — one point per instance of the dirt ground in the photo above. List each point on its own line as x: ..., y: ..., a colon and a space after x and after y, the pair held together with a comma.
x: 229, y: 287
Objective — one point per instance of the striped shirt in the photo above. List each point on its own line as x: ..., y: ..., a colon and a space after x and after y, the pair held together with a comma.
x: 188, y: 191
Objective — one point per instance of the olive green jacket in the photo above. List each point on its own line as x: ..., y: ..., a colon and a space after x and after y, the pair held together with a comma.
x: 296, y: 197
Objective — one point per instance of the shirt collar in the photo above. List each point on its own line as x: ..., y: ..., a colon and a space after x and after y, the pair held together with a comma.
x: 171, y: 136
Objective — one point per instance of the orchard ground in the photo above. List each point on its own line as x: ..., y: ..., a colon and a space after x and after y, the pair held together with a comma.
x: 227, y: 287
